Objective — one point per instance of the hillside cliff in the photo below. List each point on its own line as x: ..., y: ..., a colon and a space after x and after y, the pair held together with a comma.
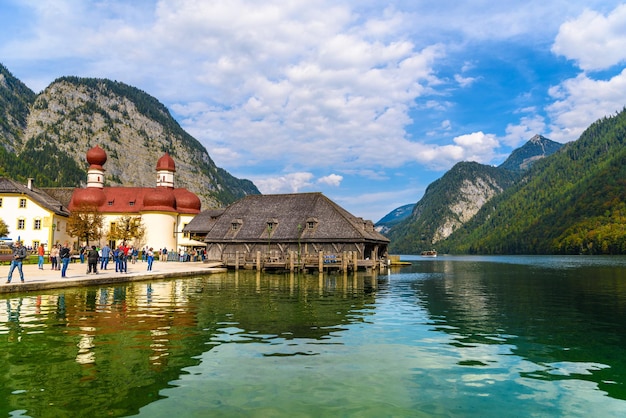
x: 572, y: 202
x: 74, y: 114
x: 15, y: 102
x: 454, y: 199
x: 447, y: 204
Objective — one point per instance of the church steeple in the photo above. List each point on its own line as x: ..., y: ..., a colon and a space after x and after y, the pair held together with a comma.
x: 165, y: 171
x: 96, y: 157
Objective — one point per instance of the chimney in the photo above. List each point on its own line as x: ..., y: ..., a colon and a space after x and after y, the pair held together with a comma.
x: 30, y: 183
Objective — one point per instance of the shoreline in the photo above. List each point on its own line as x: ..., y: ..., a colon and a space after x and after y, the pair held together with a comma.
x: 36, y: 279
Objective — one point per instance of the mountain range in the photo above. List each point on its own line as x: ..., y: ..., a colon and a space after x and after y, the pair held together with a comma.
x: 546, y: 198
x: 46, y: 136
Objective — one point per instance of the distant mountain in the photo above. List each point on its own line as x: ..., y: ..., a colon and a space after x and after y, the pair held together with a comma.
x: 49, y: 134
x: 394, y: 217
x: 454, y: 199
x: 447, y: 205
x: 572, y: 202
x: 536, y: 148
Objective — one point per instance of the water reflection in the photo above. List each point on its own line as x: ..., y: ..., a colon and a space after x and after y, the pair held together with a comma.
x: 445, y: 337
x: 569, y: 323
x: 109, y: 351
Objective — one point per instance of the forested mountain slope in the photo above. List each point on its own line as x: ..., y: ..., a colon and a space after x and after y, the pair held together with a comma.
x: 74, y: 114
x: 573, y: 202
x: 447, y: 204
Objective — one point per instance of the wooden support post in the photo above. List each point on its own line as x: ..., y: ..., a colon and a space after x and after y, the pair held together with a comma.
x: 344, y: 261
x: 291, y: 261
x: 356, y: 260
x: 258, y: 261
x: 236, y: 260
x: 320, y: 261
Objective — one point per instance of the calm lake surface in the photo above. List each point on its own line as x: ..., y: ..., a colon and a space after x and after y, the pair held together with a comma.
x: 445, y: 337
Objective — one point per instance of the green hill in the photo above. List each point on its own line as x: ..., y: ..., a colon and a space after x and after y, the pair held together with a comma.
x: 573, y: 202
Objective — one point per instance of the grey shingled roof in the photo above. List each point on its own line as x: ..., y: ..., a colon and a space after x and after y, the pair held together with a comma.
x: 8, y: 186
x: 290, y: 213
x: 203, y: 222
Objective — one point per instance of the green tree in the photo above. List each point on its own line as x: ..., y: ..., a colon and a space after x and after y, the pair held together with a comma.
x: 128, y: 228
x: 86, y: 223
x: 4, y: 228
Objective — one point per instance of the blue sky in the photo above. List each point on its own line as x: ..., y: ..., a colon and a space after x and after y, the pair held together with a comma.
x: 366, y: 101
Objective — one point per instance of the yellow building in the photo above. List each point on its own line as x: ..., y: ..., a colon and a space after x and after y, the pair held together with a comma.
x: 32, y: 215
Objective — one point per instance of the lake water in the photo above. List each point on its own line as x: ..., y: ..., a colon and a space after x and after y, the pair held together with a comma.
x: 445, y: 337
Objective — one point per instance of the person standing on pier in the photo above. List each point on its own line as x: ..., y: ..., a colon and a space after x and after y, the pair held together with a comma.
x: 64, y: 255
x: 92, y: 260
x: 150, y: 259
x: 41, y: 251
x: 19, y: 254
x: 106, y: 253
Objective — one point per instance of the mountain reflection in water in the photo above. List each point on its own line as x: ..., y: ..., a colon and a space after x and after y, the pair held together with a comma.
x: 451, y: 336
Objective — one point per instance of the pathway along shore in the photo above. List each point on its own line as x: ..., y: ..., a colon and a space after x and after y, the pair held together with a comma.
x: 36, y: 279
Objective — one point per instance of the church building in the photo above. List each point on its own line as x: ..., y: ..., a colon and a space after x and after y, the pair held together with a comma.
x: 165, y: 210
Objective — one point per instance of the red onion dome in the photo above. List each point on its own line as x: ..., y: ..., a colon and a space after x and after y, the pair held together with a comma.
x: 89, y: 197
x: 96, y: 156
x: 159, y: 198
x: 166, y: 163
x: 187, y: 201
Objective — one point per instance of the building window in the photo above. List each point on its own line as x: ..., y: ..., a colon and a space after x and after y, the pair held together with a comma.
x: 236, y: 224
x: 35, y: 244
x: 37, y: 224
x: 110, y: 203
x: 185, y: 234
x: 22, y: 203
x: 21, y: 223
x: 0, y: 202
x: 131, y: 203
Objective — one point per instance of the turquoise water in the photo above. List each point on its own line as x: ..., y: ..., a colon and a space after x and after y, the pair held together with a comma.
x: 445, y: 337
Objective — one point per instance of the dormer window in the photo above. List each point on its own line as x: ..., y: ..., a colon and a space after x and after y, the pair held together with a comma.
x: 236, y: 224
x: 110, y: 203
x: 311, y: 223
x: 131, y: 203
x: 272, y: 224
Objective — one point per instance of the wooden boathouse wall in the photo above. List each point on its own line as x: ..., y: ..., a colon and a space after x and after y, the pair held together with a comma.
x: 285, y: 258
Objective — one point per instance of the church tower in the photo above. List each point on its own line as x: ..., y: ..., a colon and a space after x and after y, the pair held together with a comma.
x: 165, y: 171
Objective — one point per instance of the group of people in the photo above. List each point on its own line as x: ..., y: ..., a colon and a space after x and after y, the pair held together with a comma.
x: 120, y: 255
x: 58, y: 253
x: 60, y: 256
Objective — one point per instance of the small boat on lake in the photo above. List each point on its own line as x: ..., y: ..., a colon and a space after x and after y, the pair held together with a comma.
x: 430, y: 253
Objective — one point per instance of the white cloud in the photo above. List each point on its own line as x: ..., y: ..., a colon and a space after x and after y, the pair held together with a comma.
x: 593, y: 40
x: 331, y: 180
x: 580, y: 101
x: 528, y: 126
x: 289, y: 183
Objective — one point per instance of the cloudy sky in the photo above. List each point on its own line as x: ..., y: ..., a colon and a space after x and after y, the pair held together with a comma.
x: 367, y: 101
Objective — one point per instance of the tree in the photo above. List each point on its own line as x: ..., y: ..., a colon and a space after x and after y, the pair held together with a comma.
x: 4, y: 228
x: 86, y: 223
x: 126, y: 228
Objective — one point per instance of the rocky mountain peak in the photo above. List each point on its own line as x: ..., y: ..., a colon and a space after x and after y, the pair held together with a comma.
x: 72, y: 115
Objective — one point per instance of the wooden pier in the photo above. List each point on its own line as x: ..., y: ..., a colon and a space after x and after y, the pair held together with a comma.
x: 346, y: 261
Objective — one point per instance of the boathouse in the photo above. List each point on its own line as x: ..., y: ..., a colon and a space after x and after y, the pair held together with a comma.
x: 300, y: 231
